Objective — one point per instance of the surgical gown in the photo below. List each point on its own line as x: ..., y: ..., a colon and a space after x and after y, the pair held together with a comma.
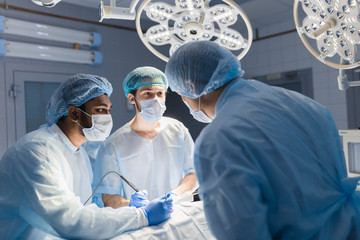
x: 44, y: 182
x: 271, y: 166
x: 157, y: 165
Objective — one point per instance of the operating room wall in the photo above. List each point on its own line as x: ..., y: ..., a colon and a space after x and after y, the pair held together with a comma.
x: 286, y: 53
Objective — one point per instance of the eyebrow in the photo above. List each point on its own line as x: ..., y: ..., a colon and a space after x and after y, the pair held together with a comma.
x: 104, y: 105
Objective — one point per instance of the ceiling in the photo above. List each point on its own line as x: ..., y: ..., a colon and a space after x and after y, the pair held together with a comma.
x: 262, y: 13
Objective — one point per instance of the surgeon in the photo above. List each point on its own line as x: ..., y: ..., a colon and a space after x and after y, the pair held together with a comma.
x: 270, y: 164
x: 45, y: 178
x: 153, y: 152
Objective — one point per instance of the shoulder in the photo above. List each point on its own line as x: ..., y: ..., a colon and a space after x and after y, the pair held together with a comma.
x: 119, y: 135
x: 173, y: 124
x: 35, y: 147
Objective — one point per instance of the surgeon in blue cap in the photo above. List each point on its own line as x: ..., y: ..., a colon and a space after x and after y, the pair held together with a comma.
x: 270, y: 164
x: 46, y: 176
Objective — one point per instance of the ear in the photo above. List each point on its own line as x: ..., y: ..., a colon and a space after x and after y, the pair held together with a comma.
x: 74, y: 114
x: 131, y: 98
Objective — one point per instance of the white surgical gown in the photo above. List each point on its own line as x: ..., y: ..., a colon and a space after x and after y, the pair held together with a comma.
x: 271, y: 166
x: 157, y: 165
x: 44, y: 182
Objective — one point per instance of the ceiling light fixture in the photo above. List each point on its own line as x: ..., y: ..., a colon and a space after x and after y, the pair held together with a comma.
x: 335, y: 26
x: 48, y: 53
x: 48, y: 32
x: 193, y: 20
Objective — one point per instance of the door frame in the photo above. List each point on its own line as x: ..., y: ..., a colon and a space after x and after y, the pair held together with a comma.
x: 10, y: 69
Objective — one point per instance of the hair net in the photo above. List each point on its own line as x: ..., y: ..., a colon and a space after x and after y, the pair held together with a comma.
x: 76, y: 91
x: 198, y: 68
x: 144, y: 76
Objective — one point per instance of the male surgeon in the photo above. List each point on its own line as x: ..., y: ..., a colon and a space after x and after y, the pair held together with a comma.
x: 153, y: 152
x: 45, y: 178
x: 270, y: 163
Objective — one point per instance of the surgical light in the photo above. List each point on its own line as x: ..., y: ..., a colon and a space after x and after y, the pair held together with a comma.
x: 193, y: 20
x: 48, y: 32
x: 49, y: 53
x: 335, y: 27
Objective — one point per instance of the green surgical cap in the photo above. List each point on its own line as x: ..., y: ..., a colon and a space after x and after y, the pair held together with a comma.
x: 144, y: 76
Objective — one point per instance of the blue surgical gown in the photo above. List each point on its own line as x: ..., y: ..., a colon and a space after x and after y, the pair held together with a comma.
x: 157, y: 165
x: 271, y: 166
x: 44, y: 182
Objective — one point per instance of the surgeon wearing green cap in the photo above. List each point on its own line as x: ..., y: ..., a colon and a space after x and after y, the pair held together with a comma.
x: 154, y: 152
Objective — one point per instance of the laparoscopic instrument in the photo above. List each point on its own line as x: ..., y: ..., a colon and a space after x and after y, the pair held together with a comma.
x: 122, y: 177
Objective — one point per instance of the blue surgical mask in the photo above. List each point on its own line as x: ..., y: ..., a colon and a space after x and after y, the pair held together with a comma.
x: 152, y: 109
x: 199, y: 115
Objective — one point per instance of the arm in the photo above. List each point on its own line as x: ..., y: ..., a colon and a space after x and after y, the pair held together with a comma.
x: 110, y: 189
x: 114, y: 201
x: 230, y: 187
x: 187, y: 183
x: 42, y: 173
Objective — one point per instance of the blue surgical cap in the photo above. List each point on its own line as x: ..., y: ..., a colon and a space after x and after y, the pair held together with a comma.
x: 198, y: 68
x: 76, y: 91
x: 144, y: 76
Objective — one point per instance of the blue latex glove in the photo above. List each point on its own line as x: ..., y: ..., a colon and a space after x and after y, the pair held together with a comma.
x: 171, y: 195
x: 158, y: 210
x: 139, y: 199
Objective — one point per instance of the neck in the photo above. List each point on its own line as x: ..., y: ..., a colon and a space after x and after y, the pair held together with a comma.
x: 72, y: 132
x: 208, y: 102
x: 143, y: 128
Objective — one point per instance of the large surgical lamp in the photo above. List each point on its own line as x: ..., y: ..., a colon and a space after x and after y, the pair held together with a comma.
x: 335, y: 27
x: 186, y: 21
x: 193, y: 20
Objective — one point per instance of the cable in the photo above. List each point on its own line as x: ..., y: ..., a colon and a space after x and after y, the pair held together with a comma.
x: 122, y: 177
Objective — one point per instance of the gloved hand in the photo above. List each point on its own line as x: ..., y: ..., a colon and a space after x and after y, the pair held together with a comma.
x: 139, y: 199
x: 158, y: 210
x: 171, y: 195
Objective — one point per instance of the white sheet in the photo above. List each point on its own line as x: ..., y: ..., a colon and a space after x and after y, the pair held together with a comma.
x: 186, y: 222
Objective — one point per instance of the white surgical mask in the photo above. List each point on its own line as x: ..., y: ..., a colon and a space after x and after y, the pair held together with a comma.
x: 199, y: 115
x: 100, y: 129
x: 152, y: 109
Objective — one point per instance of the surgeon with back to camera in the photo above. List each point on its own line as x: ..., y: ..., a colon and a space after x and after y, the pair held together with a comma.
x: 46, y: 176
x: 153, y: 152
x: 270, y: 164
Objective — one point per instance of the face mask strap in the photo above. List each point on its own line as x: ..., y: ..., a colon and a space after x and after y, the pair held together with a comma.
x: 199, y: 104
x: 79, y: 124
x: 136, y: 105
x: 86, y: 114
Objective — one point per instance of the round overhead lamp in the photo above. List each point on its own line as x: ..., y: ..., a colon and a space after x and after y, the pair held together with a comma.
x: 193, y: 20
x: 335, y: 26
